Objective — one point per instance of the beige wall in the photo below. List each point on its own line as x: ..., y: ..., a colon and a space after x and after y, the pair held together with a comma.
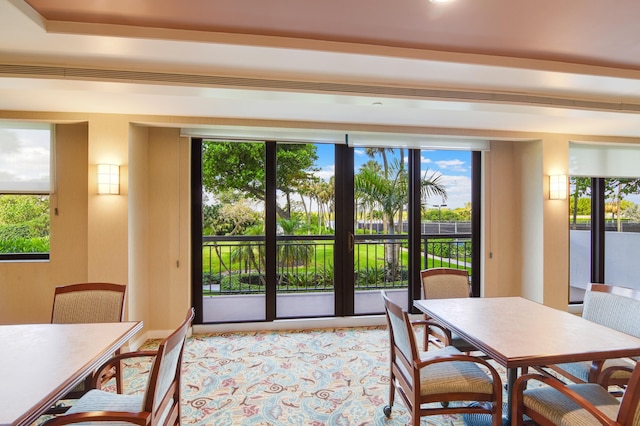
x: 528, y: 161
x: 169, y: 231
x: 139, y: 306
x: 136, y: 238
x: 26, y: 288
x: 141, y: 237
x: 555, y: 155
x: 525, y: 235
x: 501, y: 222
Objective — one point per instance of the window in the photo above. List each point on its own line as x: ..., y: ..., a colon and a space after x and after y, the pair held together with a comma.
x: 25, y: 186
x: 605, y: 218
x: 297, y: 229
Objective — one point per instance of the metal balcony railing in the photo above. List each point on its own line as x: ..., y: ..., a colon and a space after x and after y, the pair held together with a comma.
x: 236, y: 264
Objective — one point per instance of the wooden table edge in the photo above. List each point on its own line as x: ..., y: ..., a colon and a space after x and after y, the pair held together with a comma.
x: 30, y: 417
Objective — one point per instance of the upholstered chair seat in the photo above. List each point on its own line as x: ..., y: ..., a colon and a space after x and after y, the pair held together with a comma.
x: 561, y: 410
x: 551, y: 402
x: 158, y: 406
x: 431, y: 382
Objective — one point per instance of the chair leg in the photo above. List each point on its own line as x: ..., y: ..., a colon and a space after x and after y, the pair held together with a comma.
x: 392, y: 394
x: 517, y: 413
x: 415, y: 416
x: 496, y: 414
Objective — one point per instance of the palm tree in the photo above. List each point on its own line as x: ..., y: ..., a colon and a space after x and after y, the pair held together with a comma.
x: 391, y: 194
x: 251, y: 253
x: 307, y: 189
x: 431, y: 186
x: 372, y: 152
x: 291, y: 254
x: 325, y: 194
x: 368, y: 202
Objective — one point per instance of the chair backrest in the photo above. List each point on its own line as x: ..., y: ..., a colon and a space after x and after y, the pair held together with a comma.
x: 162, y: 396
x: 613, y: 306
x: 88, y: 303
x: 444, y: 283
x: 402, y: 337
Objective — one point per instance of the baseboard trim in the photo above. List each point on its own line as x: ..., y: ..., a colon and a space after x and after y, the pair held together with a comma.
x: 293, y: 324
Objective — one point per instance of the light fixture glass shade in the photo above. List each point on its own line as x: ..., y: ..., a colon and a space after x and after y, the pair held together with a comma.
x: 108, y: 179
x: 558, y: 187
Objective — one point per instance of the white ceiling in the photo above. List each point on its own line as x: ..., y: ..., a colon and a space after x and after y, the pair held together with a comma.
x: 523, y: 69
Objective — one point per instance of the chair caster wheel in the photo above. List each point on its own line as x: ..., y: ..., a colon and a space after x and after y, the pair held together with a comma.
x: 387, y: 411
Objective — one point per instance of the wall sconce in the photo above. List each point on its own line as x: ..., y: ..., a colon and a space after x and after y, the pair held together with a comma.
x: 108, y: 179
x: 558, y: 187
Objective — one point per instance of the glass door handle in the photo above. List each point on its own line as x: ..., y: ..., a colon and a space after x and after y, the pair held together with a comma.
x: 351, y: 242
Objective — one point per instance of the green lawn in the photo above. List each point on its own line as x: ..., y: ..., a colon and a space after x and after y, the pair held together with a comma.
x: 366, y: 256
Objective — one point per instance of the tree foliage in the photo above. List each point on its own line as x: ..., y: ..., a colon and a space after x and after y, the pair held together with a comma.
x: 231, y: 218
x: 24, y: 216
x: 581, y: 207
x: 240, y: 168
x: 24, y: 223
x: 615, y: 190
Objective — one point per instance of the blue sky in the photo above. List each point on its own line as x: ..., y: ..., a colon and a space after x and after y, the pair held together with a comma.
x: 454, y: 166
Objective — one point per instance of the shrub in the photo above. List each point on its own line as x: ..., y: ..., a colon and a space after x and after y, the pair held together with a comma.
x: 25, y: 245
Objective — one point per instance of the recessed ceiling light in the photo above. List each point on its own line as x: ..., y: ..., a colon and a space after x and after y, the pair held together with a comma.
x: 439, y: 1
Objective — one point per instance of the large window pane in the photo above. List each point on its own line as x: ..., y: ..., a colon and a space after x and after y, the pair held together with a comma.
x: 622, y: 232
x: 305, y: 227
x: 25, y: 158
x: 579, y: 237
x: 233, y: 254
x: 381, y: 197
x: 25, y: 184
x: 446, y: 209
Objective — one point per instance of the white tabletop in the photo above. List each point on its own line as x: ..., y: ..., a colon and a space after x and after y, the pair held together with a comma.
x: 40, y: 363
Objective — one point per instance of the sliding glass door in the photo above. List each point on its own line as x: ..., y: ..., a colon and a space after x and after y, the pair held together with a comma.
x: 305, y: 230
x: 234, y: 254
x: 300, y: 230
x: 381, y: 182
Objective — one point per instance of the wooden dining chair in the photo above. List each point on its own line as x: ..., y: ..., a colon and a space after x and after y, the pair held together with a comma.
x: 439, y: 376
x: 160, y: 403
x: 556, y: 403
x: 444, y: 283
x: 617, y: 308
x: 87, y: 303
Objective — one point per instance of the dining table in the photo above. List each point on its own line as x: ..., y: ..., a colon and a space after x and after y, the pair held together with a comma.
x: 519, y: 333
x: 41, y: 363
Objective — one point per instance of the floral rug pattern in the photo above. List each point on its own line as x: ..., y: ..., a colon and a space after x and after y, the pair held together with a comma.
x: 324, y: 377
x: 329, y: 377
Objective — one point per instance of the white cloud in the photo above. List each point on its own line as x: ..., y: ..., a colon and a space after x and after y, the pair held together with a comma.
x: 458, y: 191
x: 455, y: 165
x: 326, y: 173
x: 24, y: 155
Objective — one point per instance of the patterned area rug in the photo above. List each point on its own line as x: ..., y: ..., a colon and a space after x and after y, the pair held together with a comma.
x: 312, y: 377
x: 327, y: 377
